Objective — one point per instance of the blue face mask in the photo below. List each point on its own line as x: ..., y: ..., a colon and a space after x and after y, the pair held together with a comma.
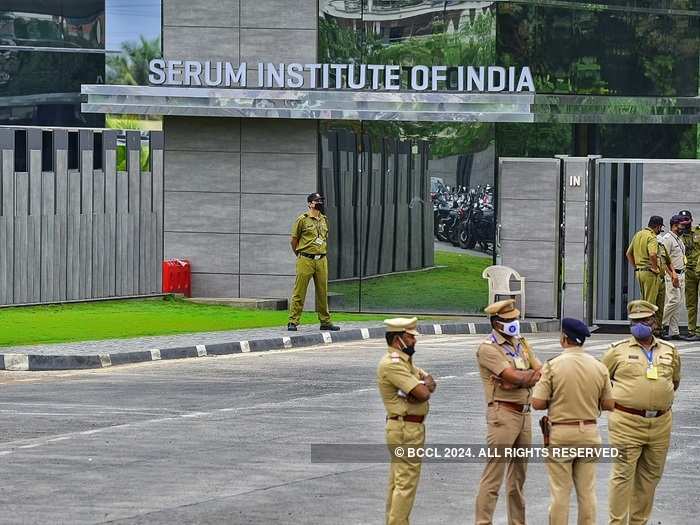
x: 512, y: 329
x: 641, y: 331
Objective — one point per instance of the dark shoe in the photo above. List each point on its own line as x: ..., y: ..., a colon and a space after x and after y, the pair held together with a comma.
x: 691, y: 337
x: 665, y: 336
x: 675, y: 337
x: 329, y: 328
x: 291, y: 327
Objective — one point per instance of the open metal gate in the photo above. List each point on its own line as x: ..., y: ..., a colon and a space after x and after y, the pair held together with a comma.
x: 618, y: 215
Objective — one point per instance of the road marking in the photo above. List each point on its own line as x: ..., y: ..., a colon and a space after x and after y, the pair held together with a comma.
x: 105, y: 360
x: 327, y: 337
x: 245, y: 347
x: 438, y: 329
x: 155, y: 355
x: 472, y: 328
x: 201, y: 350
x: 287, y: 342
x: 365, y: 333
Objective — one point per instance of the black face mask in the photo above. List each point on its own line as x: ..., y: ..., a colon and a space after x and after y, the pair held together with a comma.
x: 319, y: 207
x: 408, y: 350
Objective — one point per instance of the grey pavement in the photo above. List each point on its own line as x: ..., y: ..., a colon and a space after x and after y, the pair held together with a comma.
x: 171, y: 341
x: 112, y: 346
x: 448, y: 247
x: 227, y: 440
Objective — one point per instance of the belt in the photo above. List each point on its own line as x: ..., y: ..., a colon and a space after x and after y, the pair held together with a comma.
x: 515, y: 407
x: 313, y: 256
x: 643, y: 413
x: 410, y: 418
x: 644, y: 270
x: 575, y: 423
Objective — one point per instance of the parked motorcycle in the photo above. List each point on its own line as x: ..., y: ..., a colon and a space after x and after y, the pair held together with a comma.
x: 478, y: 226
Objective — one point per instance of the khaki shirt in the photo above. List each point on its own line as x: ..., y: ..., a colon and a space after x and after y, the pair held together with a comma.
x: 574, y: 383
x: 643, y: 245
x: 692, y: 248
x: 675, y: 249
x: 396, y: 372
x: 627, y: 362
x: 307, y: 229
x: 494, y: 356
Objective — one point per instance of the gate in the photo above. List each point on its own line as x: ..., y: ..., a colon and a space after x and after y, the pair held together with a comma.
x: 618, y: 215
x: 529, y: 217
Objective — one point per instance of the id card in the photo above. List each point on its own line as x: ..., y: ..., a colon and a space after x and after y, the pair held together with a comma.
x: 520, y: 363
x: 652, y: 372
x: 318, y: 241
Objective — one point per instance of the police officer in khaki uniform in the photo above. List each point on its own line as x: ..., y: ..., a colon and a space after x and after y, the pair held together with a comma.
x: 405, y: 390
x: 665, y: 269
x: 509, y: 369
x: 691, y: 239
x: 574, y: 387
x: 310, y: 244
x: 642, y: 253
x: 645, y: 373
x: 674, y: 281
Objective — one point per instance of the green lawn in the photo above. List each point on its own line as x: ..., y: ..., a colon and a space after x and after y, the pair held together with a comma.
x: 458, y: 287
x: 134, y: 318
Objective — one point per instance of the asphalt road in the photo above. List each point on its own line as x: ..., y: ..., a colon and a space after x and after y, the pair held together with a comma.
x: 227, y: 440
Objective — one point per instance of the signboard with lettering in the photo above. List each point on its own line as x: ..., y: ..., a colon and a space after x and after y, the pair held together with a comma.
x: 476, y: 79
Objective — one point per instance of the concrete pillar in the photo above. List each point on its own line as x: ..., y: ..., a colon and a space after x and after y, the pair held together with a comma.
x: 234, y: 186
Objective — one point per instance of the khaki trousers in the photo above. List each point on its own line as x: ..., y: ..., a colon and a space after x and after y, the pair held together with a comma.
x: 403, y: 473
x: 505, y: 429
x: 648, y: 284
x: 691, y: 300
x: 579, y: 473
x: 307, y: 269
x: 675, y: 298
x: 644, y: 443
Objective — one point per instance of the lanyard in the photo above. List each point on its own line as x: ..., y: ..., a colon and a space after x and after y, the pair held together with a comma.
x: 650, y: 356
x: 680, y: 245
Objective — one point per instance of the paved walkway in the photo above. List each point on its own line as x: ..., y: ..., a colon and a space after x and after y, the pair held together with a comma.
x: 112, y: 346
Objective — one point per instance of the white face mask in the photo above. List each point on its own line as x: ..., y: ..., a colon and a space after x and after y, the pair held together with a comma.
x: 512, y: 329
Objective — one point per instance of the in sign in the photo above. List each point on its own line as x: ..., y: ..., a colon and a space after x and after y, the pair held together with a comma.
x: 574, y: 181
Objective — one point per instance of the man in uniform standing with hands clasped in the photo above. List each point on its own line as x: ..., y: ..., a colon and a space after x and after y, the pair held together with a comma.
x: 405, y: 390
x: 310, y: 244
x: 508, y: 369
x: 645, y: 373
x: 674, y: 280
x: 574, y: 388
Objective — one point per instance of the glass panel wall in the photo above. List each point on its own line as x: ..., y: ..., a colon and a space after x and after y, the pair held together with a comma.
x: 644, y: 48
x: 411, y: 205
x: 48, y: 48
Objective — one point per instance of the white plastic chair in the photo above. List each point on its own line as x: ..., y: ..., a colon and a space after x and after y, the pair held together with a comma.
x: 499, y: 278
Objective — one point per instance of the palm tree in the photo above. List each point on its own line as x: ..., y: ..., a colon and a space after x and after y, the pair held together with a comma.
x: 130, y: 67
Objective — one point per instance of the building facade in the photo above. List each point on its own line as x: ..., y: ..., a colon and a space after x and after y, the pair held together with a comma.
x: 612, y: 78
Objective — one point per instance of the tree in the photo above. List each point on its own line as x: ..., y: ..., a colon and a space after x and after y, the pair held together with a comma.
x: 130, y: 67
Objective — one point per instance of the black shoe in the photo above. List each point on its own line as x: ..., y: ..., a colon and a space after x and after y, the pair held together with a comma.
x: 691, y: 337
x: 329, y: 328
x: 291, y: 327
x: 665, y: 336
x: 675, y: 337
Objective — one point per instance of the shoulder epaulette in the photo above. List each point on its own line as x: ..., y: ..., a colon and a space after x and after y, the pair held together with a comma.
x: 666, y: 343
x: 618, y: 343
